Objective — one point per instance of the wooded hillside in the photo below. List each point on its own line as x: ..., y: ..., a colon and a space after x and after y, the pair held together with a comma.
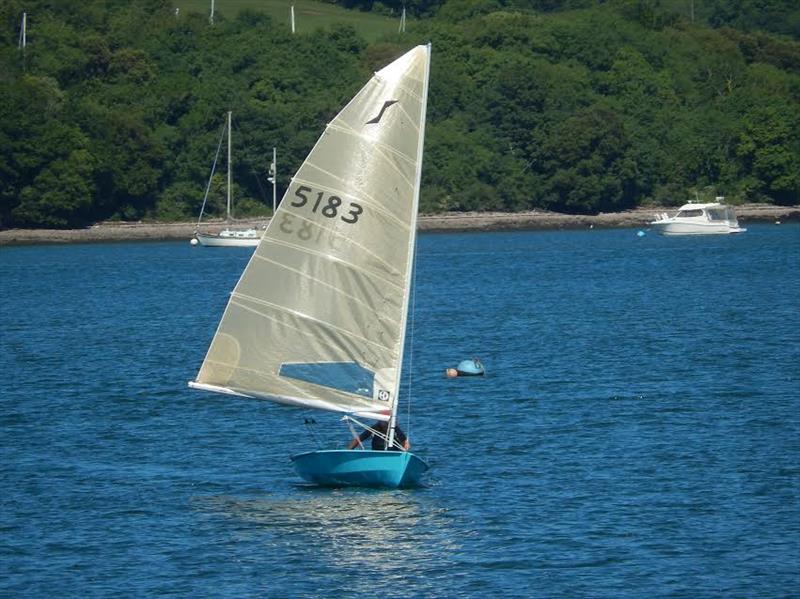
x: 115, y: 107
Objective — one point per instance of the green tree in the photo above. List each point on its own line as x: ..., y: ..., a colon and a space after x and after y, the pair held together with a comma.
x: 60, y: 195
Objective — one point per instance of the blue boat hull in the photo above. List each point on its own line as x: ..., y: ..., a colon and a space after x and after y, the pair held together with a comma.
x: 360, y: 468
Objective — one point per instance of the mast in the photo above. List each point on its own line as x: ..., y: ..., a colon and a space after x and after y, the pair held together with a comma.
x: 23, y: 32
x: 273, y: 171
x: 23, y: 39
x: 402, y: 28
x: 292, y: 18
x: 229, y: 167
x: 211, y: 17
x: 412, y: 244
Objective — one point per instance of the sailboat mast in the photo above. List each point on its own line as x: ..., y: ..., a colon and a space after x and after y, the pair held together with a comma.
x: 412, y: 244
x: 274, y: 177
x: 23, y: 39
x: 229, y: 167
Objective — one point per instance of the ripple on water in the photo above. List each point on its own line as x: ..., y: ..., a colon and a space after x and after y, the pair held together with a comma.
x: 636, y: 433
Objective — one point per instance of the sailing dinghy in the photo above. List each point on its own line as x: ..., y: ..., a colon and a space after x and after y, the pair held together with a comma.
x: 318, y: 317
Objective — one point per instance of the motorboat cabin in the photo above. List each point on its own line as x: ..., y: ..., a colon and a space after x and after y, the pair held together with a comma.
x: 713, y: 218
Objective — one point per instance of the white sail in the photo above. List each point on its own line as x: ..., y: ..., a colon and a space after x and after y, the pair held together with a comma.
x: 318, y: 317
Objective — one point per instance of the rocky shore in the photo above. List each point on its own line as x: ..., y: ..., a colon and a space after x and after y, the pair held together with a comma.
x: 461, y: 221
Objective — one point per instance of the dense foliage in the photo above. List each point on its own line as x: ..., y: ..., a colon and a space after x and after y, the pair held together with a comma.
x: 115, y: 108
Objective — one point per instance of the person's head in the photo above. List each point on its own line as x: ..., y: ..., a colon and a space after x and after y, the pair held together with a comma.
x: 451, y: 373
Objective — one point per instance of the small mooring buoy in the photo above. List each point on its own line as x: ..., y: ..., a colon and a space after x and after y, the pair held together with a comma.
x: 472, y: 367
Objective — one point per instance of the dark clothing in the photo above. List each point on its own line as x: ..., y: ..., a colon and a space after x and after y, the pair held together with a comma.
x: 378, y: 443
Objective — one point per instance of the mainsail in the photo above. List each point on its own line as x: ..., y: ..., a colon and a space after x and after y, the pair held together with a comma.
x: 318, y: 317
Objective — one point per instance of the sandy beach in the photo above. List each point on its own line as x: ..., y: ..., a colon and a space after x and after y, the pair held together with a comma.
x: 111, y: 232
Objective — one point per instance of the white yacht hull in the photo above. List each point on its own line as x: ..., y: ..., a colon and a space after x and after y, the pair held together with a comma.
x: 249, y: 238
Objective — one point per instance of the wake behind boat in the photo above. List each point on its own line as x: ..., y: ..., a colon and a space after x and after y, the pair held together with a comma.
x: 318, y: 318
x: 712, y: 218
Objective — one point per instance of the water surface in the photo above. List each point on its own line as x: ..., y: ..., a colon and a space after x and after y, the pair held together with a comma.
x: 637, y: 433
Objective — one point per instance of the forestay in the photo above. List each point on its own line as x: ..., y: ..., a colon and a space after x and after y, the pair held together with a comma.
x: 318, y: 317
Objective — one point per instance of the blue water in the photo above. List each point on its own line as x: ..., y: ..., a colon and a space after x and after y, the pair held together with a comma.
x: 637, y: 434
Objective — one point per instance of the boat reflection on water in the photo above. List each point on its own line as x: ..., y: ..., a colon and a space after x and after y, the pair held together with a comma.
x: 349, y: 527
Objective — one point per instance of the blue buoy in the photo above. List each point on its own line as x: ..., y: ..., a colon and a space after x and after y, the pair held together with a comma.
x: 472, y: 367
x: 640, y: 234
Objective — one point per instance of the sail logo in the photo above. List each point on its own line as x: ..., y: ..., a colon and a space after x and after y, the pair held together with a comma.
x: 378, y: 118
x: 383, y: 395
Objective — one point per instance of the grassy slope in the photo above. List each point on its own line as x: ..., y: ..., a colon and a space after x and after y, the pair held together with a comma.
x: 309, y: 15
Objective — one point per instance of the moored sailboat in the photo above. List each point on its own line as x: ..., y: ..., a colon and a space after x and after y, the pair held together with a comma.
x: 230, y: 236
x: 318, y: 318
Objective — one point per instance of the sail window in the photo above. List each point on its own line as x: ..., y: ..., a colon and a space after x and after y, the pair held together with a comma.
x: 349, y: 377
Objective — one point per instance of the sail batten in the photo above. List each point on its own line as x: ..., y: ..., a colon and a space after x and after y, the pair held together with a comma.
x: 318, y: 317
x: 344, y: 239
x: 376, y: 204
x: 377, y: 145
x: 363, y: 198
x: 367, y: 306
x: 355, y: 267
x: 303, y: 316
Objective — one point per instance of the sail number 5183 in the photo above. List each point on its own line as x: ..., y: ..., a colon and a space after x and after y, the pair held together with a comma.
x: 327, y: 206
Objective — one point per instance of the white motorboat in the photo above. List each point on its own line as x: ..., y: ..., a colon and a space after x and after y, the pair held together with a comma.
x: 713, y: 218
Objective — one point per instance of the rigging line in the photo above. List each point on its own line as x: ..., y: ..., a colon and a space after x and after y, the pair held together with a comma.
x: 309, y: 423
x: 353, y: 432
x: 250, y: 168
x: 374, y: 432
x: 210, y: 177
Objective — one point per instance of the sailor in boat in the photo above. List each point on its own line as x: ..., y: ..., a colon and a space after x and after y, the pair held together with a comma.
x: 378, y: 432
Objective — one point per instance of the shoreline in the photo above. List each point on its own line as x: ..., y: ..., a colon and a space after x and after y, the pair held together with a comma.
x: 447, y: 222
